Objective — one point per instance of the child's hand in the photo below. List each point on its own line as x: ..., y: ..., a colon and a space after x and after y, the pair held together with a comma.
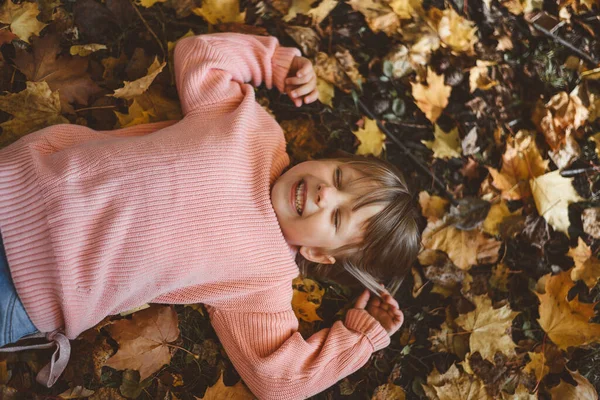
x: 386, y: 310
x: 301, y: 83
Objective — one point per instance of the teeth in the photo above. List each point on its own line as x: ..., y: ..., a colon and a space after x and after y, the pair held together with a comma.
x: 299, y: 197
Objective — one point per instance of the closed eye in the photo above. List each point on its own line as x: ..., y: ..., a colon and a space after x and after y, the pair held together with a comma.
x: 337, y: 179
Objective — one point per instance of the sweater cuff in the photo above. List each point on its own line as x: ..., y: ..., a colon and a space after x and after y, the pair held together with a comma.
x: 281, y: 62
x: 360, y: 320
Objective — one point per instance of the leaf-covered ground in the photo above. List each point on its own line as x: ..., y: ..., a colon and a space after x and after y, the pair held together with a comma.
x: 500, y: 99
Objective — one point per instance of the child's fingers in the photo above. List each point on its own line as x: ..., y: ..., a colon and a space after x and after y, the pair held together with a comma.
x: 305, y: 89
x: 306, y: 69
x: 294, y: 80
x: 313, y: 96
x: 362, y: 300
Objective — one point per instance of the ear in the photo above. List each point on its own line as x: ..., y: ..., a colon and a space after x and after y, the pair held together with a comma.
x: 316, y: 255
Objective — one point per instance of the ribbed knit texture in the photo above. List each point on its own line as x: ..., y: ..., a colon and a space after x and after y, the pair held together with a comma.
x: 98, y: 222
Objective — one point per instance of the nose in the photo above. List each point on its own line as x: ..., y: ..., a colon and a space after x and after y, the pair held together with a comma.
x: 328, y: 195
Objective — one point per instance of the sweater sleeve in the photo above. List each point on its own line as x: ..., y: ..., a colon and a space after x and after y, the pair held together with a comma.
x: 276, y: 362
x: 212, y: 68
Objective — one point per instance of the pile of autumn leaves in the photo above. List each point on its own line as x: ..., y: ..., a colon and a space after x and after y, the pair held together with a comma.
x: 55, y: 82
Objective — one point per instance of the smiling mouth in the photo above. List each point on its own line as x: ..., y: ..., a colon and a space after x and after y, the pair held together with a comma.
x: 299, y: 196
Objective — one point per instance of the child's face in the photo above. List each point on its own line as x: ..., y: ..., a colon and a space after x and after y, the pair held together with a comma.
x: 314, y: 230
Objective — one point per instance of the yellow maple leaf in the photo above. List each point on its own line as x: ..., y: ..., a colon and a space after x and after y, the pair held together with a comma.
x: 149, y: 3
x: 455, y: 32
x: 453, y: 385
x: 489, y: 327
x: 326, y: 92
x: 566, y: 322
x: 479, y: 78
x: 497, y: 213
x: 139, y: 86
x: 84, y: 50
x: 433, y: 98
x: 334, y: 69
x: 520, y: 162
x: 537, y: 365
x: 406, y: 9
x: 432, y: 207
x: 449, y: 340
x: 22, y: 19
x: 552, y: 195
x: 220, y: 11
x: 445, y: 145
x: 587, y: 267
x: 518, y: 7
x: 219, y: 391
x: 34, y: 108
x: 521, y: 393
x: 465, y: 248
x: 583, y: 391
x: 136, y: 115
x: 318, y: 14
x: 306, y: 299
x: 372, y: 140
x: 378, y: 14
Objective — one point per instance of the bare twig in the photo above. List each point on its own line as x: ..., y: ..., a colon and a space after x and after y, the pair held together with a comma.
x: 568, y: 45
x: 151, y: 31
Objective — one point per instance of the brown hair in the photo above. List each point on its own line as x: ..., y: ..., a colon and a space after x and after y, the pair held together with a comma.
x: 391, y: 238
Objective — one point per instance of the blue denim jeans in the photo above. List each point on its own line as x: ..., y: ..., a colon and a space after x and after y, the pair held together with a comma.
x: 14, y: 321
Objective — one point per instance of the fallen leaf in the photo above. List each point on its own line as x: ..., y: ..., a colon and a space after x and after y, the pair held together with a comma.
x: 131, y: 385
x: 591, y: 222
x: 537, y: 365
x: 388, y: 391
x: 22, y: 19
x: 521, y: 162
x: 500, y: 276
x: 331, y: 69
x: 219, y: 11
x: 565, y: 322
x: 587, y: 266
x: 372, y: 140
x: 66, y: 74
x: 6, y: 36
x: 553, y: 194
x: 445, y: 145
x: 77, y: 392
x: 454, y: 385
x: 519, y: 7
x: 306, y: 299
x: 379, y: 16
x: 348, y: 64
x: 479, y: 78
x: 401, y: 61
x: 139, y: 86
x: 455, y: 32
x: 433, y: 98
x: 306, y: 38
x: 449, y: 340
x: 498, y: 212
x: 149, y: 3
x: 520, y: 394
x: 583, y: 391
x: 326, y: 92
x: 301, y: 138
x: 34, y: 108
x: 490, y: 328
x: 107, y: 393
x: 136, y: 115
x: 406, y: 9
x: 465, y: 248
x: 469, y: 143
x: 84, y: 50
x: 219, y: 391
x: 596, y: 139
x: 143, y: 340
x: 432, y: 207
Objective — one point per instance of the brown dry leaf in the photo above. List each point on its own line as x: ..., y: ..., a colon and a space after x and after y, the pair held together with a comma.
x: 306, y: 299
x: 449, y: 340
x: 565, y: 322
x: 553, y: 194
x: 520, y: 394
x: 558, y: 120
x: 219, y: 391
x: 219, y: 11
x: 583, y: 391
x: 500, y: 276
x: 520, y: 162
x: 143, y: 340
x: 454, y: 385
x: 318, y: 14
x: 479, y: 78
x: 432, y: 207
x: 433, y: 98
x: 537, y: 365
x: 389, y: 391
x: 77, y: 392
x: 455, y: 32
x: 378, y: 14
x: 331, y: 69
x: 110, y: 63
x: 34, y: 108
x: 139, y: 86
x: 22, y: 19
x: 519, y: 7
x: 596, y: 139
x: 406, y: 9
x: 301, y: 137
x: 498, y: 212
x: 372, y: 140
x: 306, y: 38
x: 84, y: 50
x: 447, y: 278
x: 465, y: 248
x: 162, y: 108
x: 591, y: 222
x: 66, y: 74
x: 490, y: 328
x: 445, y: 145
x: 107, y: 393
x: 587, y: 267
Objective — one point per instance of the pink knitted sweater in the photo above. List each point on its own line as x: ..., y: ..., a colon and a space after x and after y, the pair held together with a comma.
x: 98, y: 222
